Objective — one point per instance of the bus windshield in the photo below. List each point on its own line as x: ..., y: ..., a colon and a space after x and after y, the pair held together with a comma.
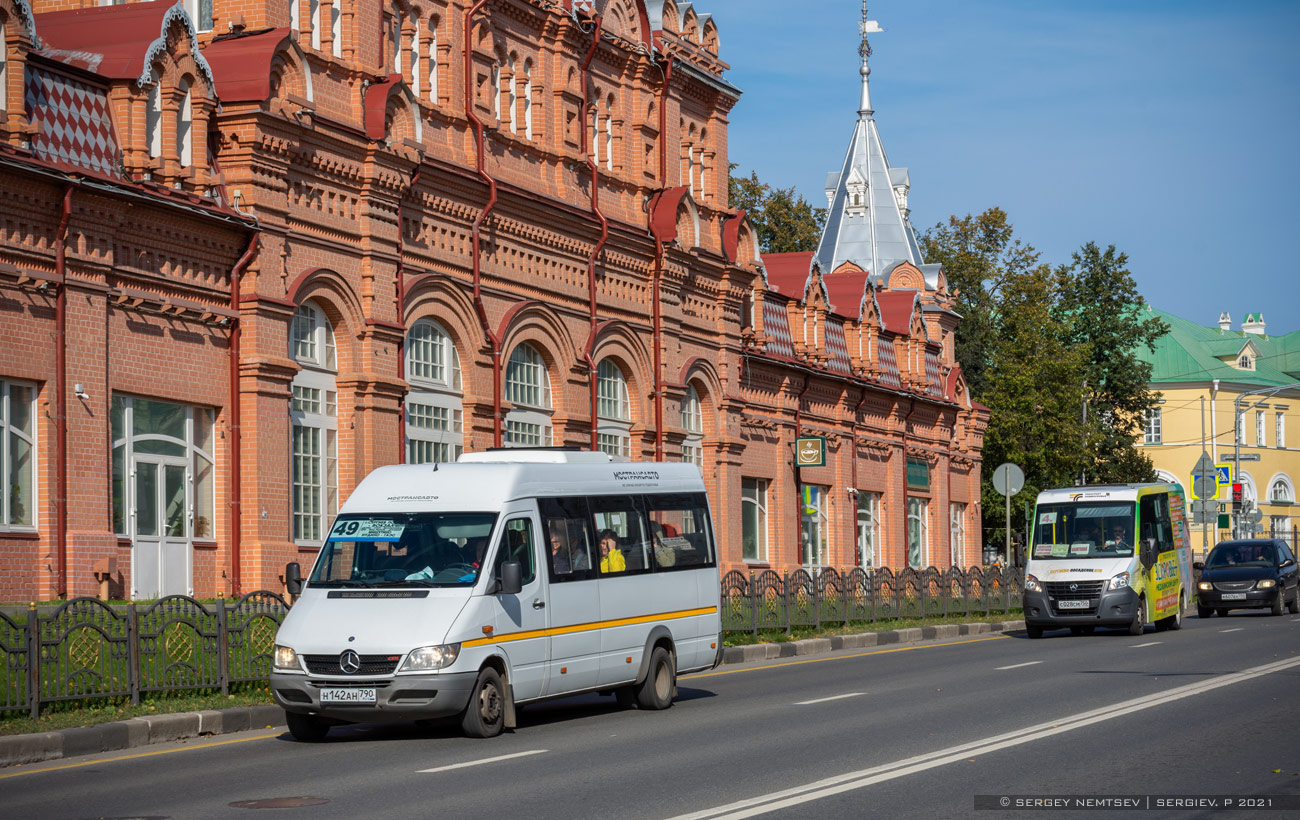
x: 1083, y: 530
x: 404, y: 549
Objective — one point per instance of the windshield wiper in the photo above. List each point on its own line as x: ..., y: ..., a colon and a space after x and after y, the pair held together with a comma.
x: 338, y: 583
x: 405, y: 582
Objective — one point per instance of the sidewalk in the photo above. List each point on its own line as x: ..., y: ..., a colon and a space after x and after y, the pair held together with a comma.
x: 144, y: 731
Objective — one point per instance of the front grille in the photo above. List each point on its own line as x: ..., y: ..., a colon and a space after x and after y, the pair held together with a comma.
x: 349, y: 684
x: 1081, y: 589
x: 1234, y: 586
x: 370, y: 664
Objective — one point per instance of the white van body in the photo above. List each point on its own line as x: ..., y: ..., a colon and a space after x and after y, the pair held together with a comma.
x: 440, y: 636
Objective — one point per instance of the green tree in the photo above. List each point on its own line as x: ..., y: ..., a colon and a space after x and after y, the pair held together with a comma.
x: 1103, y: 316
x: 784, y: 221
x: 978, y: 255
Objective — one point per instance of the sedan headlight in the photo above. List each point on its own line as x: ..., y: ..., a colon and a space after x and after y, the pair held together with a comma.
x: 286, y: 660
x: 431, y: 657
x: 1205, y: 586
x: 1268, y: 583
x: 1032, y: 585
x: 1119, y: 581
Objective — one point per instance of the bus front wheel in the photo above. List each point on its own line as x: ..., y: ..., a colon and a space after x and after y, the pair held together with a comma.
x: 1139, y: 623
x: 656, y: 691
x: 485, y: 715
x: 307, y: 728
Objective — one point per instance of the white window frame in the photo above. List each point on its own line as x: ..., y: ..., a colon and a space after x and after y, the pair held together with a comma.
x: 1279, y: 430
x: 432, y: 59
x: 956, y: 533
x: 1152, y: 432
x: 4, y: 68
x: 868, y: 529
x: 336, y: 28
x: 814, y: 525
x: 314, y: 18
x: 200, y: 12
x: 613, y: 411
x: 8, y: 435
x: 185, y: 127
x: 528, y: 388
x: 755, y: 499
x: 153, y: 116
x: 434, y: 404
x: 314, y: 407
x: 1259, y: 428
x: 918, y: 515
x: 693, y: 424
x: 1280, y: 491
x: 528, y: 98
x: 197, y: 461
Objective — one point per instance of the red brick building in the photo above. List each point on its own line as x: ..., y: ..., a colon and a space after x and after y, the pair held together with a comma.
x: 251, y: 250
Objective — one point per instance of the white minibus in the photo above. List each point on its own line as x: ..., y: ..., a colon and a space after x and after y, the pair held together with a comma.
x: 509, y: 577
x: 1114, y: 555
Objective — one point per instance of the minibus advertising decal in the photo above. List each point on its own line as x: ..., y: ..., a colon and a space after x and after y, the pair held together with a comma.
x: 1166, y: 579
x: 566, y: 630
x: 372, y: 529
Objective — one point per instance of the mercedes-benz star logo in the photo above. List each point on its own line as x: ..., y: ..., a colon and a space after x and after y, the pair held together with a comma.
x: 349, y: 662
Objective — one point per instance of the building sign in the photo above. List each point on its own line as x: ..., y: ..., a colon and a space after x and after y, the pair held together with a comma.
x: 810, y: 451
x: 918, y: 474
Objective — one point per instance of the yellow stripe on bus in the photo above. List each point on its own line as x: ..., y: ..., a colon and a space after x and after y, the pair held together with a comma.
x: 587, y: 627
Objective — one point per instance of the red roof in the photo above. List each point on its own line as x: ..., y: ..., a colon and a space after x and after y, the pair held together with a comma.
x: 787, y: 273
x: 896, y: 309
x: 112, y: 41
x: 845, y: 291
x: 241, y: 66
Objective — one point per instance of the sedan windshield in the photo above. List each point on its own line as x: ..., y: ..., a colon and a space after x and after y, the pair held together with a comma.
x: 404, y: 549
x: 1083, y: 530
x: 1242, y: 555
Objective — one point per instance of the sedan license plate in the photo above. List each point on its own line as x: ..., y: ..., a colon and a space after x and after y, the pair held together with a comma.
x: 345, y: 696
x: 1071, y: 604
x: 1233, y: 596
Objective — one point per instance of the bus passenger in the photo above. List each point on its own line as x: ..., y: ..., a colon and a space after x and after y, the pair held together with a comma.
x: 611, y: 558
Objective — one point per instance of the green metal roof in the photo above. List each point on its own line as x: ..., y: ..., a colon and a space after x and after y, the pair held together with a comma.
x: 1190, y: 353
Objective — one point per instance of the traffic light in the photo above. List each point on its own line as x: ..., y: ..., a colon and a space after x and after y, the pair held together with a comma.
x: 1236, y: 499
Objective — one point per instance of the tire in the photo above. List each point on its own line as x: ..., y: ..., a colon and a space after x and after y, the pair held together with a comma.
x: 1222, y: 613
x: 1175, y: 621
x: 1139, y: 623
x: 1279, y: 603
x: 1203, y: 611
x: 1033, y: 631
x: 656, y: 691
x: 1294, y: 606
x: 626, y: 696
x: 485, y: 714
x: 307, y: 728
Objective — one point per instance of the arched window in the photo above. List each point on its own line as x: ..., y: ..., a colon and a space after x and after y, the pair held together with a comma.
x: 185, y: 126
x: 313, y: 7
x: 528, y: 98
x: 528, y: 388
x: 918, y: 532
x: 336, y: 28
x: 609, y: 132
x: 153, y: 115
x: 693, y: 424
x: 1281, y: 491
x: 512, y: 95
x: 434, y: 426
x: 395, y: 42
x: 295, y: 18
x: 313, y: 414
x: 496, y: 87
x: 433, y: 60
x: 613, y: 411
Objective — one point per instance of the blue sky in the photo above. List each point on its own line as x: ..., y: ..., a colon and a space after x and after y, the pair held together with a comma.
x: 1168, y: 129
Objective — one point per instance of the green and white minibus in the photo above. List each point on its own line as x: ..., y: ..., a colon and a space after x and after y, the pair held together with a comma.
x: 509, y: 577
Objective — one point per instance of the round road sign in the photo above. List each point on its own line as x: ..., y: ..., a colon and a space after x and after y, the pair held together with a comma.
x: 1008, y: 479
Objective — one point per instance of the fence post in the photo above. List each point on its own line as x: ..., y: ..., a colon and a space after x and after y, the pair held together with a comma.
x: 816, y: 598
x: 844, y: 597
x: 223, y: 648
x: 133, y: 652
x: 33, y: 661
x: 785, y: 585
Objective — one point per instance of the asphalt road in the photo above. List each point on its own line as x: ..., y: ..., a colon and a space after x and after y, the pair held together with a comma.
x: 912, y: 731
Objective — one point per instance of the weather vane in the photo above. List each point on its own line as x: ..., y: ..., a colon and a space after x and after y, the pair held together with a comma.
x: 866, y: 27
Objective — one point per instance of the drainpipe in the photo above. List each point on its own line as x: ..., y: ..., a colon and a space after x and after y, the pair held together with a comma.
x: 798, y: 478
x: 907, y: 420
x: 853, y: 460
x: 656, y: 316
x: 1214, y: 423
x: 597, y: 20
x: 401, y: 319
x: 493, y: 342
x: 236, y: 462
x: 60, y: 389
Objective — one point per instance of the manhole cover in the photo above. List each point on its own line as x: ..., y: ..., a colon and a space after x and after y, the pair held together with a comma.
x: 279, y: 803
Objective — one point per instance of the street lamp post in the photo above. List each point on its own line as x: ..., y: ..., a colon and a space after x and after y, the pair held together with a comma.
x: 1237, y: 410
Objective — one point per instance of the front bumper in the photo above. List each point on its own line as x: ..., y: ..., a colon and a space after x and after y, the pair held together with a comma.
x: 1114, y: 607
x: 1255, y: 598
x: 397, y: 698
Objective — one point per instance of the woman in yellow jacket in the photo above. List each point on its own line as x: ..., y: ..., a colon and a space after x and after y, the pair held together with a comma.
x: 611, y: 559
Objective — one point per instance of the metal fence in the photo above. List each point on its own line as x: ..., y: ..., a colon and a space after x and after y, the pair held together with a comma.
x: 768, y: 601
x: 86, y: 649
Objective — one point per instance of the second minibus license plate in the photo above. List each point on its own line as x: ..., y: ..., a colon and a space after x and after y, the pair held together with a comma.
x: 1069, y: 604
x: 366, y: 695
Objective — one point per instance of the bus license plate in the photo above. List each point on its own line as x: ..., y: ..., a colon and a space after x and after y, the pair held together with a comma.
x: 1072, y: 604
x: 1233, y: 596
x: 359, y: 696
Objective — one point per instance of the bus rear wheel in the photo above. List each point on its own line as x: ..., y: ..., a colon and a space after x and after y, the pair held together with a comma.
x: 656, y: 691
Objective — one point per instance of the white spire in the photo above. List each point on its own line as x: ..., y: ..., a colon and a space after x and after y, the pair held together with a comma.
x: 866, y: 27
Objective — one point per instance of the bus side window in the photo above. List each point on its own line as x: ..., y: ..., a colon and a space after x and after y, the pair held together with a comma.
x: 623, y: 515
x: 517, y: 545
x: 566, y: 524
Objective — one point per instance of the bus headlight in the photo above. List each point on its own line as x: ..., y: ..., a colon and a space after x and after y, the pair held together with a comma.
x: 1119, y: 581
x: 286, y: 660
x: 1032, y: 585
x: 431, y: 657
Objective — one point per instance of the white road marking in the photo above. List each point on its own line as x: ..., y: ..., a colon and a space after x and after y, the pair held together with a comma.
x: 832, y: 697
x: 793, y: 797
x: 1140, y: 645
x: 1017, y: 665
x: 1238, y: 629
x: 481, y: 762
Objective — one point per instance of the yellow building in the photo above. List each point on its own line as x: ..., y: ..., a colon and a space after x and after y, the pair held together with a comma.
x: 1206, y: 375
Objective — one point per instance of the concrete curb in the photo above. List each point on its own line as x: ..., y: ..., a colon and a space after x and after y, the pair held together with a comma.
x: 135, y: 732
x: 822, y: 646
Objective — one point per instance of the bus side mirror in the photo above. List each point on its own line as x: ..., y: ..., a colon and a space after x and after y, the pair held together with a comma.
x: 293, y: 578
x: 511, y: 581
x: 1148, y: 551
